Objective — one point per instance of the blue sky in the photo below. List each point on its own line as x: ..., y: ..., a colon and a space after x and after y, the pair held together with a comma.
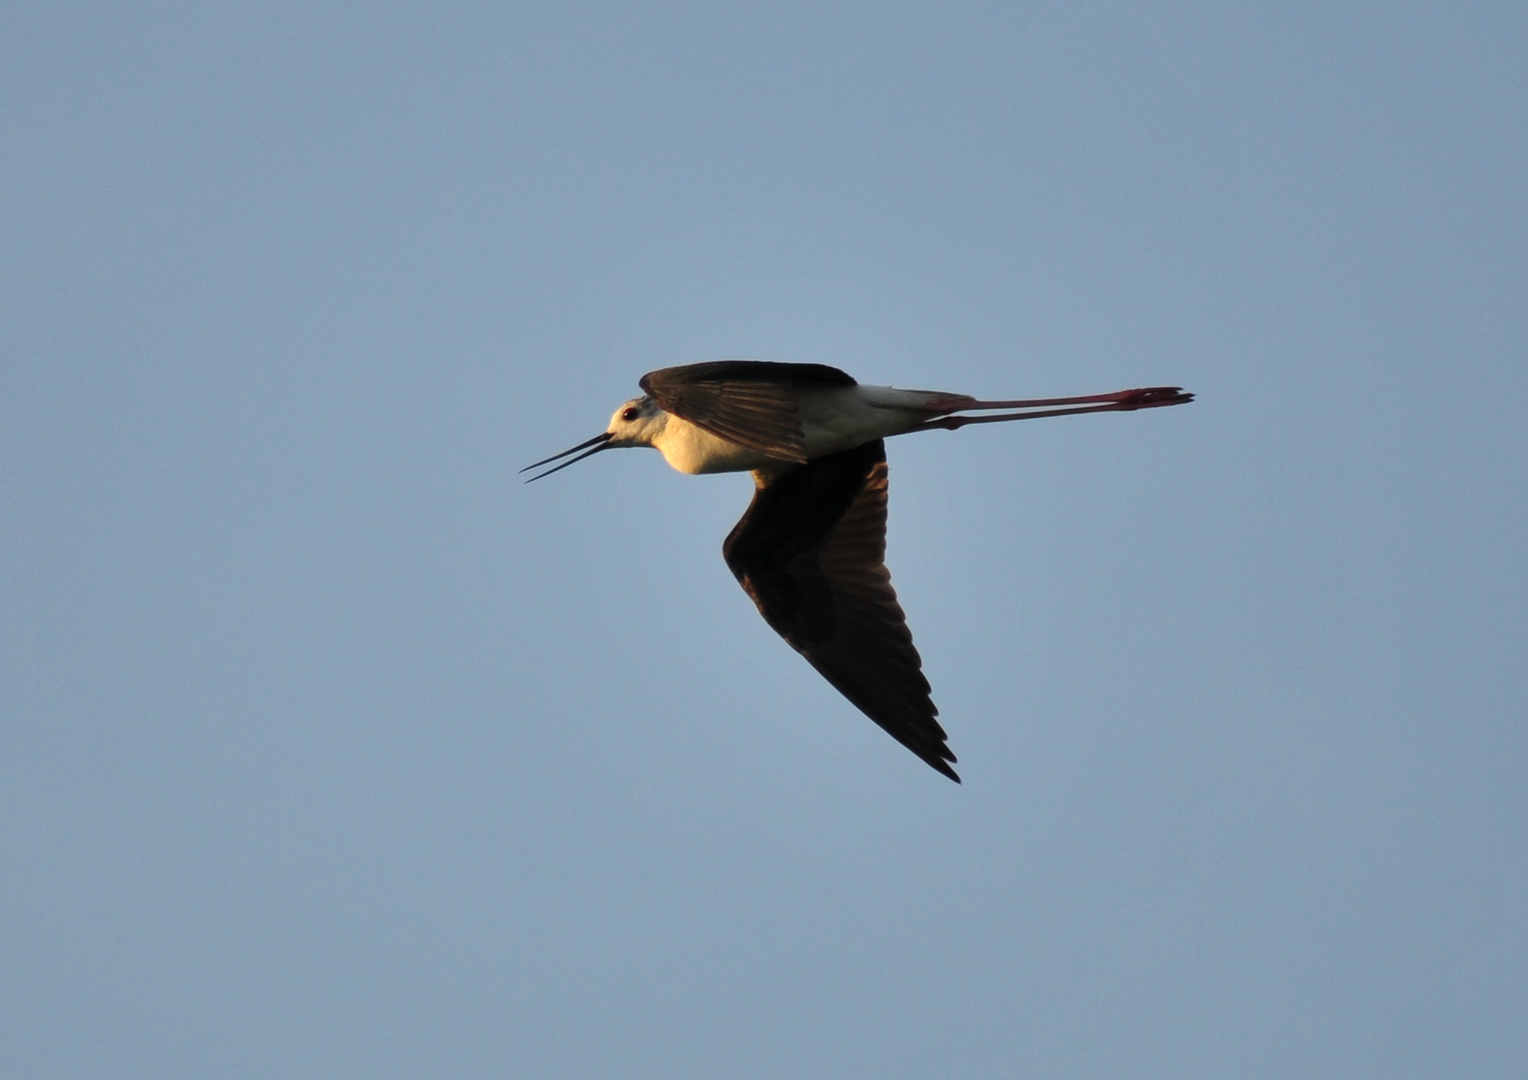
x: 331, y: 750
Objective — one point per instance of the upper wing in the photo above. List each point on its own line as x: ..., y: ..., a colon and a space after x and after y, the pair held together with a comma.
x: 748, y: 402
x: 811, y: 553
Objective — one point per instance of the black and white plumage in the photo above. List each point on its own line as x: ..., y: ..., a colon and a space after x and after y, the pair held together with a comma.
x: 810, y: 550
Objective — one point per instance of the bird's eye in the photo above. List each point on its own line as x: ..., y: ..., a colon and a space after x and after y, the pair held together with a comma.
x: 629, y: 413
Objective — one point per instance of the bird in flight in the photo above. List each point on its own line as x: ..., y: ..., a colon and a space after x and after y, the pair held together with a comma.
x: 810, y: 550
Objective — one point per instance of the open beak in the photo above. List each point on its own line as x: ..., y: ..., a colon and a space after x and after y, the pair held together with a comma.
x: 599, y: 442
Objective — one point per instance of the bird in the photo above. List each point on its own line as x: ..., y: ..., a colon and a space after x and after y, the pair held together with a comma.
x: 810, y: 549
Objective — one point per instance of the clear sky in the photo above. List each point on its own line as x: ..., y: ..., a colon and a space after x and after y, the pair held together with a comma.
x: 328, y: 749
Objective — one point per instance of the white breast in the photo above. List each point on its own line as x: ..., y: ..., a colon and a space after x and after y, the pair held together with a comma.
x: 691, y: 449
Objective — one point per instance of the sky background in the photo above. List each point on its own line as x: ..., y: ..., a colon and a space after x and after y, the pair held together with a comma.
x: 330, y: 750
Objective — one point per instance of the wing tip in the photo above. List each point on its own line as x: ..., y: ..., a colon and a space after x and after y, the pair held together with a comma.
x: 940, y: 759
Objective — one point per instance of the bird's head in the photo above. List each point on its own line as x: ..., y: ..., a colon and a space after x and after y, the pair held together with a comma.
x: 637, y: 423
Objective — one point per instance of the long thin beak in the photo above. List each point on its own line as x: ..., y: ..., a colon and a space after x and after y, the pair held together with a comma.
x: 599, y: 442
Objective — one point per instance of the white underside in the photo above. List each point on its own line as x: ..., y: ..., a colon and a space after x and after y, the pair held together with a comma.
x: 832, y: 419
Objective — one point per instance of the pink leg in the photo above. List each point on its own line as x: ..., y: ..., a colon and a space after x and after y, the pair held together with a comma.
x: 1123, y: 401
x: 1143, y: 398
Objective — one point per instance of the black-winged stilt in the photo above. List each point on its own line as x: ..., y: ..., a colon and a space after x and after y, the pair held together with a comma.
x: 811, y: 548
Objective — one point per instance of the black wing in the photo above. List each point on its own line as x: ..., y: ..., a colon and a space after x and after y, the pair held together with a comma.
x: 748, y: 402
x: 811, y: 553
